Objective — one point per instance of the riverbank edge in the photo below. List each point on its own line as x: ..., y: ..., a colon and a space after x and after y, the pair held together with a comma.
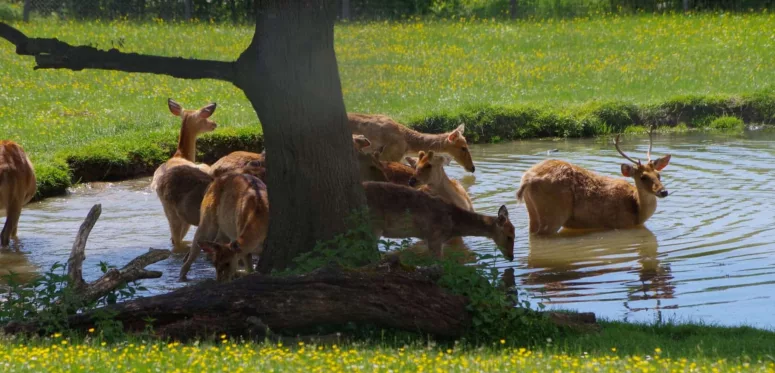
x: 116, y: 159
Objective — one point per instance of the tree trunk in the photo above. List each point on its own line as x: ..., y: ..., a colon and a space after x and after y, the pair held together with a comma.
x: 346, y: 10
x: 258, y: 306
x: 513, y: 9
x: 290, y: 75
x: 27, y: 10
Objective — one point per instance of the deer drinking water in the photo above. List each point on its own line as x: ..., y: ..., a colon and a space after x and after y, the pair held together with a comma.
x: 399, y: 140
x: 194, y: 122
x: 17, y: 186
x: 399, y: 211
x: 558, y: 194
x: 235, y: 209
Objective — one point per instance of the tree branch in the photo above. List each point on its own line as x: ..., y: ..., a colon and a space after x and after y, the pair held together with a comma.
x: 51, y: 53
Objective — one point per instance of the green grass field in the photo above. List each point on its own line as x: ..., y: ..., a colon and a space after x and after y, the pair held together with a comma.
x: 530, y: 74
x: 618, y: 348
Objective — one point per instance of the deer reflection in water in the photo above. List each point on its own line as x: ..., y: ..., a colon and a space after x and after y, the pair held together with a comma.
x: 565, y: 263
x: 13, y: 260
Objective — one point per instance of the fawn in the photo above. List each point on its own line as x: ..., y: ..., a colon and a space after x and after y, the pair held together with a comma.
x: 558, y: 194
x: 17, y: 186
x: 399, y: 140
x: 235, y: 209
x: 429, y: 170
x: 236, y: 160
x: 399, y: 211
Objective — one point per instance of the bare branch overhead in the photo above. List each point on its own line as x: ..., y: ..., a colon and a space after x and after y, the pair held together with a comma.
x: 51, y: 53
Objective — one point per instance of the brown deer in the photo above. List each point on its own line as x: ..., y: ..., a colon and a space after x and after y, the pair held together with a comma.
x: 399, y: 140
x: 429, y: 170
x: 234, y: 161
x: 17, y: 186
x: 558, y: 194
x: 194, y: 123
x: 399, y: 211
x: 181, y: 190
x: 235, y: 209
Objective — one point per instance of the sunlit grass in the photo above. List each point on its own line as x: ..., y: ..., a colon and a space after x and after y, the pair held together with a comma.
x: 592, y: 353
x: 404, y: 69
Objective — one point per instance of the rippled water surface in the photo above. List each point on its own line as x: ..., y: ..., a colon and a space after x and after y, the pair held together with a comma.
x: 706, y: 254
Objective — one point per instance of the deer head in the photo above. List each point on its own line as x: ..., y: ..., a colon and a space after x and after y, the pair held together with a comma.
x: 457, y: 146
x: 646, y: 175
x: 429, y: 169
x: 504, y: 233
x: 194, y: 121
x: 225, y: 258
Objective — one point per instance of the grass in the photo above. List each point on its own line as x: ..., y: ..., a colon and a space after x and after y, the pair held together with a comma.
x: 619, y: 347
x: 506, y: 80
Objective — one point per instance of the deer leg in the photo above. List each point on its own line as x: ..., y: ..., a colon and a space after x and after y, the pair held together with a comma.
x: 204, y: 233
x: 532, y: 213
x: 13, y: 211
x: 435, y: 247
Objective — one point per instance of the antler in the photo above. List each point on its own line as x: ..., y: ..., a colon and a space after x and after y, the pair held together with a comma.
x: 651, y: 142
x: 616, y: 144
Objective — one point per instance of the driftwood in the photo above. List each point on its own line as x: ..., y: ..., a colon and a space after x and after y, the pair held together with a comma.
x: 113, y: 278
x: 256, y: 305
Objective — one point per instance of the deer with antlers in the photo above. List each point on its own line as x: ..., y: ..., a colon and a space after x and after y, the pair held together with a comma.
x: 558, y: 194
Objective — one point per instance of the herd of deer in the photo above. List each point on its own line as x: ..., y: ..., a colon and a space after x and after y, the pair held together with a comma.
x: 228, y: 202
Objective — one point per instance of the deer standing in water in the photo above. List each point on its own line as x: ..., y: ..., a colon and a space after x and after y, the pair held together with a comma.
x: 236, y: 160
x: 398, y: 140
x: 558, y: 194
x: 235, y: 209
x: 194, y: 122
x: 17, y: 186
x: 399, y: 211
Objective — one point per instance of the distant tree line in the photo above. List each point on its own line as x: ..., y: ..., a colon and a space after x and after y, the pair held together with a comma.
x: 243, y: 10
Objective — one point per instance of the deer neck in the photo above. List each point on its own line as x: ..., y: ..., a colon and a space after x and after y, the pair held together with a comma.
x: 647, y: 204
x: 472, y: 224
x: 445, y: 189
x: 186, y: 144
x: 423, y: 141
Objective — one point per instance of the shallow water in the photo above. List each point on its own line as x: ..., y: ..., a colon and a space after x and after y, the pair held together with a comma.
x: 703, y: 256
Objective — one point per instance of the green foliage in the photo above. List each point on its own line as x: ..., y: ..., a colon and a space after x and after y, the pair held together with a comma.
x: 50, y: 299
x: 727, y: 123
x: 10, y: 12
x: 354, y: 248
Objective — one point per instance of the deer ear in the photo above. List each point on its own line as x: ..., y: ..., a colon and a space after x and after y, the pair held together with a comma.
x: 411, y: 161
x: 503, y: 215
x: 175, y: 107
x: 627, y: 170
x: 420, y: 155
x: 453, y: 135
x: 461, y: 128
x: 661, y: 163
x: 207, y: 111
x: 361, y: 142
x: 430, y: 154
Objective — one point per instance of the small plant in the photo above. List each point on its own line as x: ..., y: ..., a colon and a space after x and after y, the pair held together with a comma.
x: 727, y: 123
x: 50, y: 300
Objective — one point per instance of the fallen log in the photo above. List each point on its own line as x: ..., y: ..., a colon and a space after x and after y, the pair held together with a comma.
x: 113, y: 278
x: 255, y: 305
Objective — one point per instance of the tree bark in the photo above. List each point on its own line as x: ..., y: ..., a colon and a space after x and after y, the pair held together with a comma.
x: 290, y: 75
x: 258, y: 306
x: 513, y: 9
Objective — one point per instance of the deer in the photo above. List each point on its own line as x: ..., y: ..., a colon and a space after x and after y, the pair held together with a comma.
x: 429, y: 171
x: 194, y: 123
x: 559, y: 194
x: 181, y: 190
x: 234, y: 161
x: 17, y: 187
x: 398, y: 139
x: 399, y: 211
x: 235, y: 208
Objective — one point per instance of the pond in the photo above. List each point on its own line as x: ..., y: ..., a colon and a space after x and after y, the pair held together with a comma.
x: 705, y: 255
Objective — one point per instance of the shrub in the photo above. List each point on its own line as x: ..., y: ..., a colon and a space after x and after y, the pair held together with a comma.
x: 727, y: 123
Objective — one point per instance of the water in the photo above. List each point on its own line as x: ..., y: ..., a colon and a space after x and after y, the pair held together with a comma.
x: 703, y: 256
